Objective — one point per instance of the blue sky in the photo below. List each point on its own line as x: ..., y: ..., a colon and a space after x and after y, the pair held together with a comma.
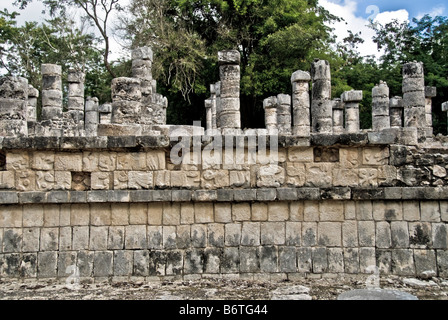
x: 415, y: 8
x: 354, y: 12
x: 356, y: 15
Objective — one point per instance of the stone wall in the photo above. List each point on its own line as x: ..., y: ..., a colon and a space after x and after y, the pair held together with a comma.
x: 111, y: 190
x: 118, y: 207
x: 277, y: 239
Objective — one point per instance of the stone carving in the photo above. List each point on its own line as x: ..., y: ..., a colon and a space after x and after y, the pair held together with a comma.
x: 239, y: 178
x: 215, y: 179
x: 270, y: 176
x: 100, y: 180
x: 43, y: 161
x: 120, y: 180
x: 45, y: 180
x: 295, y: 174
x: 140, y: 180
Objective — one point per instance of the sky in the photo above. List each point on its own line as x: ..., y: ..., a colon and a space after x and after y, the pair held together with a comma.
x: 356, y: 14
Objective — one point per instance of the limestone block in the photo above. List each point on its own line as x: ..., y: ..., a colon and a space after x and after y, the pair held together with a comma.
x: 121, y: 180
x: 278, y: 211
x: 31, y: 238
x: 300, y: 76
x: 440, y: 236
x: 11, y: 109
x: 331, y: 211
x: 68, y: 162
x: 383, y: 235
x: 7, y: 180
x: 304, y: 155
x: 136, y: 237
x: 366, y: 233
x: 295, y: 174
x: 250, y: 234
x: 187, y: 213
x: 273, y: 233
x: 309, y: 234
x: 215, y: 179
x: 233, y: 234
x: 183, y: 236
x: 352, y: 96
x: 140, y: 180
x: 223, y: 212
x: 430, y: 211
x: 45, y: 180
x: 106, y: 161
x: 115, y: 240
x: 155, y: 237
x: 100, y: 214
x: 319, y: 175
x: 402, y: 262
x: 330, y: 234
x: 320, y: 260
x: 420, y: 235
x: 100, y: 180
x: 47, y: 264
x: 49, y: 239
x: 350, y: 234
x: 345, y: 177
x: 98, y: 238
x: 270, y: 176
x: 239, y: 179
x: 229, y: 57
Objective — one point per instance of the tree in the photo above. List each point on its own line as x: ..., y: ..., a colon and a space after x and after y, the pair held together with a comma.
x: 97, y: 12
x: 275, y: 38
x: 424, y: 40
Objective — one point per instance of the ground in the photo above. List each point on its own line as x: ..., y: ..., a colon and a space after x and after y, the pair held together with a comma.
x: 217, y: 289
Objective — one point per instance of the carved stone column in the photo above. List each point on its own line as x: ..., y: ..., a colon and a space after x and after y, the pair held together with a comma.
x: 229, y: 71
x: 414, y: 100
x: 396, y: 112
x: 301, y: 103
x: 352, y: 99
x: 338, y: 116
x: 270, y: 114
x: 51, y: 92
x: 380, y: 107
x: 321, y: 106
x: 13, y: 107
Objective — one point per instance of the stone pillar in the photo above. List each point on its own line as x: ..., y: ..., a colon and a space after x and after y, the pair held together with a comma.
x: 142, y: 59
x: 270, y: 115
x: 338, y: 116
x: 445, y: 109
x: 76, y: 81
x: 126, y: 97
x: 380, y: 107
x: 92, y: 118
x: 229, y: 72
x: 208, y: 110
x: 301, y: 103
x: 430, y: 92
x: 352, y: 99
x: 13, y: 107
x: 321, y: 106
x: 51, y: 92
x: 105, y: 113
x: 218, y: 104
x: 414, y: 97
x: 213, y: 98
x: 33, y: 94
x: 396, y: 112
x: 284, y: 114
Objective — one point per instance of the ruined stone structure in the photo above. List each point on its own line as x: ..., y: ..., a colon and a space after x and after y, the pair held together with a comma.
x: 97, y: 189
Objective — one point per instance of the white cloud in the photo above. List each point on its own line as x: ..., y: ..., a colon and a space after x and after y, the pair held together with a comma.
x: 347, y: 10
